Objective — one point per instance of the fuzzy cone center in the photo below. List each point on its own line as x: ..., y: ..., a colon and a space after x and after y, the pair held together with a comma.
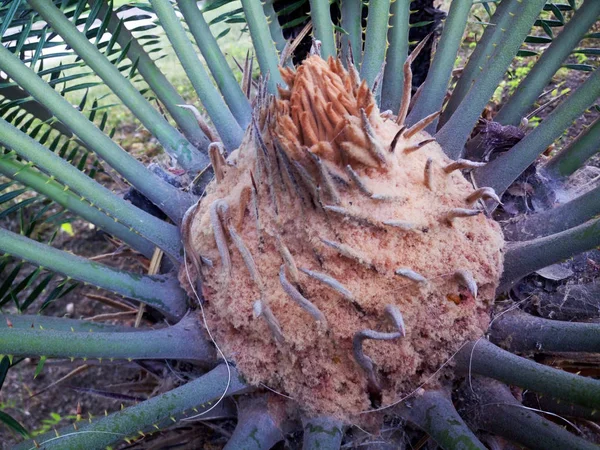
x: 328, y: 221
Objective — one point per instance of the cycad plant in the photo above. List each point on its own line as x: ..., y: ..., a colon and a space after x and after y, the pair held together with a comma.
x: 329, y: 254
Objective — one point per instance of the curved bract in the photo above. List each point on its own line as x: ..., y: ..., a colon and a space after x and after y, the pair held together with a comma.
x: 342, y: 265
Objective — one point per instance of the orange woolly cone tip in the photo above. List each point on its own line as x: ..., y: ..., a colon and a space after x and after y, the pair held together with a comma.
x: 340, y: 262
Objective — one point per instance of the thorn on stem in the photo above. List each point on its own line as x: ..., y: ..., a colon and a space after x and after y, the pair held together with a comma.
x: 402, y: 224
x: 308, y: 181
x: 267, y: 160
x: 247, y: 258
x: 378, y: 79
x: 326, y: 180
x: 288, y: 259
x: 363, y: 220
x: 395, y: 140
x: 247, y: 75
x: 354, y: 75
x: 396, y: 318
x: 206, y: 129
x: 362, y: 187
x: 359, y: 183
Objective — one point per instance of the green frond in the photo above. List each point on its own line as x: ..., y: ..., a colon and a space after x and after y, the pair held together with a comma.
x: 160, y: 291
x: 228, y: 85
x: 393, y: 76
x: 434, y: 413
x: 156, y: 413
x: 520, y: 332
x: 151, y: 186
x: 481, y: 357
x: 435, y: 86
x: 498, y: 412
x: 163, y: 235
x: 351, y: 23
x: 573, y: 157
x: 375, y: 40
x: 502, y: 171
x: 39, y: 322
x: 263, y: 44
x: 171, y: 140
x: 323, y: 26
x: 274, y: 27
x: 481, y: 55
x: 532, y: 86
x: 324, y: 433
x: 56, y: 137
x: 560, y: 218
x: 159, y: 84
x: 43, y: 184
x: 183, y: 340
x: 454, y: 133
x: 257, y: 428
x: 523, y: 258
x: 229, y: 130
